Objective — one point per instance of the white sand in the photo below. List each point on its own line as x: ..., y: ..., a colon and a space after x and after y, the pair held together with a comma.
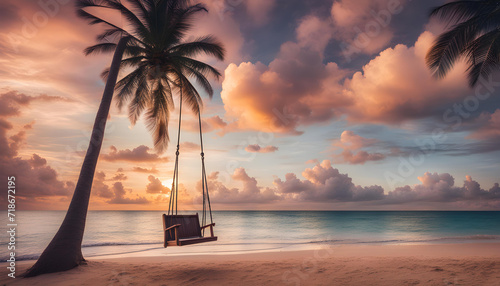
x: 435, y: 264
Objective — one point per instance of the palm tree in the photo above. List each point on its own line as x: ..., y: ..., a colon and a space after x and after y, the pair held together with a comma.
x: 163, y: 63
x: 475, y: 36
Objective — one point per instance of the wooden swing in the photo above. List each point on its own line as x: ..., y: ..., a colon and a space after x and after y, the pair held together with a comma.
x: 182, y: 230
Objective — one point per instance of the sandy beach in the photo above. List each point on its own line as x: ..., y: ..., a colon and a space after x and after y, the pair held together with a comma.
x: 431, y: 264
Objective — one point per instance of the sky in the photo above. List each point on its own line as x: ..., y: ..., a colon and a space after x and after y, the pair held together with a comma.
x: 323, y: 105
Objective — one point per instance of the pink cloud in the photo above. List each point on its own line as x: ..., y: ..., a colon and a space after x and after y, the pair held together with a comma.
x: 220, y: 23
x: 138, y: 154
x: 323, y: 182
x: 259, y: 10
x: 488, y: 126
x: 389, y: 91
x: 257, y: 149
x: 295, y: 89
x: 441, y: 188
x: 210, y: 124
x: 364, y: 25
x: 100, y: 188
x: 250, y: 192
x: 119, y: 196
x: 351, y: 146
x: 116, y: 194
x: 43, y: 180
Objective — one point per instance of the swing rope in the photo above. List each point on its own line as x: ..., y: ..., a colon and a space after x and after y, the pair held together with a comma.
x: 172, y: 206
x: 175, y: 181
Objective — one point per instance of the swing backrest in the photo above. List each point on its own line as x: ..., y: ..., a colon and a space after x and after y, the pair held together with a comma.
x: 190, y: 225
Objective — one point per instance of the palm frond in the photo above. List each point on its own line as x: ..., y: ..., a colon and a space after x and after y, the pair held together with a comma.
x: 140, y: 100
x: 179, y: 24
x: 458, y: 11
x: 162, y: 62
x: 158, y: 116
x: 190, y: 95
x: 200, y: 79
x: 138, y: 25
x: 484, y: 55
x: 126, y: 86
x: 100, y: 48
x: 203, y: 68
x: 207, y: 45
x: 448, y: 48
x: 129, y: 62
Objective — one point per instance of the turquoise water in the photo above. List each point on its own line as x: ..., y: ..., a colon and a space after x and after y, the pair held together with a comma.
x: 140, y: 232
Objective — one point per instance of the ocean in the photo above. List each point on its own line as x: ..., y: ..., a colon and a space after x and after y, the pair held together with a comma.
x: 139, y: 233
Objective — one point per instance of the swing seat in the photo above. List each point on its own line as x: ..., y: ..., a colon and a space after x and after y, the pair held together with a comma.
x: 184, y: 230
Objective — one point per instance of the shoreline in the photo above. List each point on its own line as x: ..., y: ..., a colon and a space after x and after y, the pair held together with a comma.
x: 428, y: 264
x: 157, y: 249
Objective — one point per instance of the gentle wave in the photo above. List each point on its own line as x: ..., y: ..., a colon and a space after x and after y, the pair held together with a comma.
x: 448, y: 238
x: 119, y: 243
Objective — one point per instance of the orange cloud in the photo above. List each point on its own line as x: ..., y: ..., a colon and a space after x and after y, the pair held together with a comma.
x: 145, y: 170
x: 397, y: 86
x: 155, y: 186
x: 296, y: 88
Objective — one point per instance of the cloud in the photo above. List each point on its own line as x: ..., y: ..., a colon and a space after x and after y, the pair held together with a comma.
x: 145, y: 170
x: 351, y: 145
x: 489, y: 126
x: 155, y: 186
x: 208, y: 125
x: 119, y: 196
x: 441, y: 188
x: 325, y: 183
x: 364, y: 25
x: 388, y: 91
x: 138, y: 154
x: 257, y: 149
x: 295, y: 89
x: 43, y: 180
x: 298, y: 89
x: 114, y: 194
x: 189, y: 146
x: 9, y: 16
x: 259, y: 10
x: 249, y: 193
x: 220, y: 23
x: 119, y: 177
x: 12, y: 101
x: 99, y: 188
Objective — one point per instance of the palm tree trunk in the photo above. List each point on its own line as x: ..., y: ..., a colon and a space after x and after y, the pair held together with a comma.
x: 65, y: 250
